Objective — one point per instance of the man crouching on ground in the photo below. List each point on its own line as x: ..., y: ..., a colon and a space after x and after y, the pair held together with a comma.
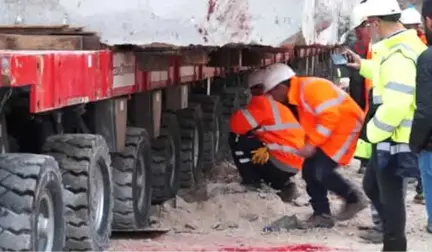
x: 265, y: 138
x: 332, y: 122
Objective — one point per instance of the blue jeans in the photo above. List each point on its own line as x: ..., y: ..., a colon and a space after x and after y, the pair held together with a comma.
x: 425, y: 165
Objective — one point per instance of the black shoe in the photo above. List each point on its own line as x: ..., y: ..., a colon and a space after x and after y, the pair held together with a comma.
x: 350, y: 210
x: 372, y: 236
x: 319, y: 221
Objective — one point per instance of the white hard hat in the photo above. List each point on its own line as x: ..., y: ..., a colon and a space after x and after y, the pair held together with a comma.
x: 410, y: 16
x: 374, y: 8
x: 357, y: 16
x: 256, y: 78
x: 275, y: 74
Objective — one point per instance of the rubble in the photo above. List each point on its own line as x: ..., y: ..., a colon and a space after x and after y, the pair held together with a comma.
x: 234, y: 216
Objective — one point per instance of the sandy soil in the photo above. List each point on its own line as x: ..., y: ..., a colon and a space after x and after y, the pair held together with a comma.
x: 234, y: 217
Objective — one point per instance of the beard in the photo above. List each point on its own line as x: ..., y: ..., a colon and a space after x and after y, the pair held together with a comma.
x: 375, y: 37
x: 428, y: 35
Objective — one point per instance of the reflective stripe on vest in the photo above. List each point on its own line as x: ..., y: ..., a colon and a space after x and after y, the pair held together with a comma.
x: 345, y: 146
x: 393, y: 149
x: 324, y: 130
x: 284, y: 148
x: 388, y: 128
x: 275, y: 127
x: 394, y: 86
x: 276, y: 115
x: 323, y: 106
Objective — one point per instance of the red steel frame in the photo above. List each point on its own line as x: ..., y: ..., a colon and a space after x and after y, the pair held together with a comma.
x: 63, y: 78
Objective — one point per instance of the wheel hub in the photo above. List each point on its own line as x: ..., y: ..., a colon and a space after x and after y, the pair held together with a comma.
x: 97, y: 198
x: 45, y: 223
x: 195, y: 148
x: 217, y: 135
x: 171, y: 161
x: 140, y: 181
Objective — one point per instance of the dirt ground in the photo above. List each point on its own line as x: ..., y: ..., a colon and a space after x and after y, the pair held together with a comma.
x: 233, y: 219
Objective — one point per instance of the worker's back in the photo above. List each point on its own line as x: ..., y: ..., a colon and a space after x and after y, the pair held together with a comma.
x: 324, y: 111
x: 273, y: 124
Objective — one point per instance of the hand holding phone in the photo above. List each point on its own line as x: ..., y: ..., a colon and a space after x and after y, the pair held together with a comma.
x: 339, y: 59
x: 353, y: 59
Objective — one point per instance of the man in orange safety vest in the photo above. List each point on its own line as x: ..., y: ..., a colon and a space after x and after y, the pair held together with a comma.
x: 266, y: 122
x: 332, y: 122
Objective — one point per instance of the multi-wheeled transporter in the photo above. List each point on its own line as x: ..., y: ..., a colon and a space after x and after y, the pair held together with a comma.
x: 96, y: 128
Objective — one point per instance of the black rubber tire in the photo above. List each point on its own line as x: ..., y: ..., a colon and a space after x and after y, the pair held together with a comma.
x: 79, y: 156
x: 230, y: 98
x: 213, y: 133
x: 23, y: 179
x: 132, y: 203
x: 166, y: 147
x: 191, y: 121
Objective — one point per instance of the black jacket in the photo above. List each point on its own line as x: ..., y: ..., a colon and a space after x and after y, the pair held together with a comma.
x: 356, y: 86
x: 421, y: 131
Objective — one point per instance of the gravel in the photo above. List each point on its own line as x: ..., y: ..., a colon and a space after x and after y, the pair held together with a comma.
x: 235, y: 217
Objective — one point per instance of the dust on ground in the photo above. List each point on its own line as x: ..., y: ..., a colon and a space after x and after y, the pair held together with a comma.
x: 235, y: 217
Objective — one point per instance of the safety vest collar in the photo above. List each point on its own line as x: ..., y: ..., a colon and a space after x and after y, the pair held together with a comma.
x: 304, y: 82
x: 278, y: 124
x: 402, y: 37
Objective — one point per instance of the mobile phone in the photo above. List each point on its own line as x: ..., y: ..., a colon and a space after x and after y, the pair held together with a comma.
x: 339, y: 59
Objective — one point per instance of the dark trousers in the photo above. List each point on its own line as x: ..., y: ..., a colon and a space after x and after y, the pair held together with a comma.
x: 319, y: 173
x: 254, y: 174
x: 384, y: 186
x: 363, y: 162
x: 419, y: 187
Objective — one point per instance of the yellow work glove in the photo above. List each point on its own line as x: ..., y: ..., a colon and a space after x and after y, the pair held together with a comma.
x: 260, y: 155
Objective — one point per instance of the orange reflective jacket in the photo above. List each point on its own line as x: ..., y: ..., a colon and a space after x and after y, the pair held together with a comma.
x: 331, y: 119
x: 422, y: 37
x: 367, y: 82
x: 275, y: 126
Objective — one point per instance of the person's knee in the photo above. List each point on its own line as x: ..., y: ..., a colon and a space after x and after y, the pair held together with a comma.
x: 322, y: 172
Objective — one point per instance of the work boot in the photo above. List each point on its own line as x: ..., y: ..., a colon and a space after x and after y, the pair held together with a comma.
x: 289, y: 193
x: 372, y: 236
x: 350, y: 210
x: 318, y: 221
x: 419, y: 199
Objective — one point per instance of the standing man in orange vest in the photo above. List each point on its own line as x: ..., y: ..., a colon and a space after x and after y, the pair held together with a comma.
x: 265, y: 138
x: 360, y: 88
x: 332, y: 122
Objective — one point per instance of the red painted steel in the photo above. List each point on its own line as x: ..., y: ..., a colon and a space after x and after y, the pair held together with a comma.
x: 63, y: 78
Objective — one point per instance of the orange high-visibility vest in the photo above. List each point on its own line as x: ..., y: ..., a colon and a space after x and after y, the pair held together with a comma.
x: 276, y: 127
x: 367, y: 82
x: 331, y: 119
x: 422, y: 37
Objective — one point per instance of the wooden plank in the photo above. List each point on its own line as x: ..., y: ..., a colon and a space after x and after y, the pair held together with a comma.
x: 41, y: 30
x: 40, y: 42
x: 17, y: 26
x: 91, y: 43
